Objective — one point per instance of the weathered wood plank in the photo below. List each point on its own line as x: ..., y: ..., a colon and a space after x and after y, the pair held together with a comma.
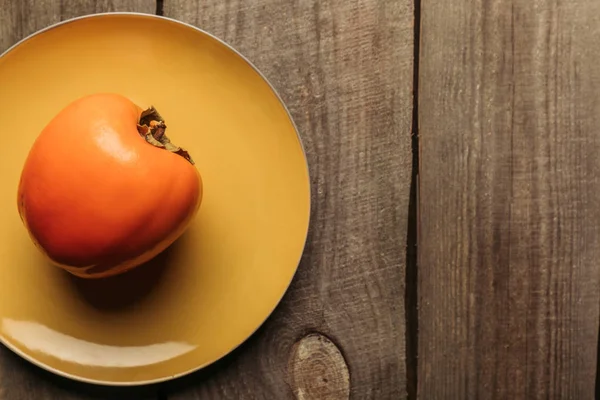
x: 509, y: 280
x: 20, y: 380
x: 344, y: 68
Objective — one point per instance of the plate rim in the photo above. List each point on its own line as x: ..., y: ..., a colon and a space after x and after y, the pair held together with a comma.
x: 108, y: 383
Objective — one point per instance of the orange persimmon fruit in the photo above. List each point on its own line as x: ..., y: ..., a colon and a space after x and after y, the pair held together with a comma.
x: 103, y: 189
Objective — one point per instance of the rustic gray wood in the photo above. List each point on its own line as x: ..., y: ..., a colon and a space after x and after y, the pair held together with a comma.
x: 344, y: 69
x: 20, y: 380
x: 509, y: 278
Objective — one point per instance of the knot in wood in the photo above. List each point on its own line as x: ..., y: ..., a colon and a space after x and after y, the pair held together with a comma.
x: 317, y: 370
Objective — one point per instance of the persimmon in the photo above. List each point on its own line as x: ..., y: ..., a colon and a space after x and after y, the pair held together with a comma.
x: 103, y: 189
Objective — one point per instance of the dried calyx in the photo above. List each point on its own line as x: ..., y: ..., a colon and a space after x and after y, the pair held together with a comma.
x: 152, y: 128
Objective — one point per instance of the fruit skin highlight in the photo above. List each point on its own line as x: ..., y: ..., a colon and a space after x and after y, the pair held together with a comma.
x: 103, y: 190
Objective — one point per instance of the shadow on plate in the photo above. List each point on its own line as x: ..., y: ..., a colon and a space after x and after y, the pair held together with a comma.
x: 127, y: 289
x: 114, y: 293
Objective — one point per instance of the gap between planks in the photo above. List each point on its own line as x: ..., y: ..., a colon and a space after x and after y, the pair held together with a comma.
x: 412, y: 237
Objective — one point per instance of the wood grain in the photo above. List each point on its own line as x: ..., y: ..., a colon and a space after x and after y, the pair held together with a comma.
x: 317, y: 369
x: 509, y: 280
x: 344, y: 69
x: 20, y: 380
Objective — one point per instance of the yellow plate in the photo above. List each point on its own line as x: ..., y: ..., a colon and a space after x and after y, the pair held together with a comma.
x: 215, y: 286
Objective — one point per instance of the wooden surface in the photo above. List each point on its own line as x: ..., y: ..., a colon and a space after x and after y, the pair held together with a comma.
x: 507, y: 280
x: 344, y: 70
x: 509, y: 276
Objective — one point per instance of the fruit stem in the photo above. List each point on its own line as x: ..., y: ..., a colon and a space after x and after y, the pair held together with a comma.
x: 152, y: 127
